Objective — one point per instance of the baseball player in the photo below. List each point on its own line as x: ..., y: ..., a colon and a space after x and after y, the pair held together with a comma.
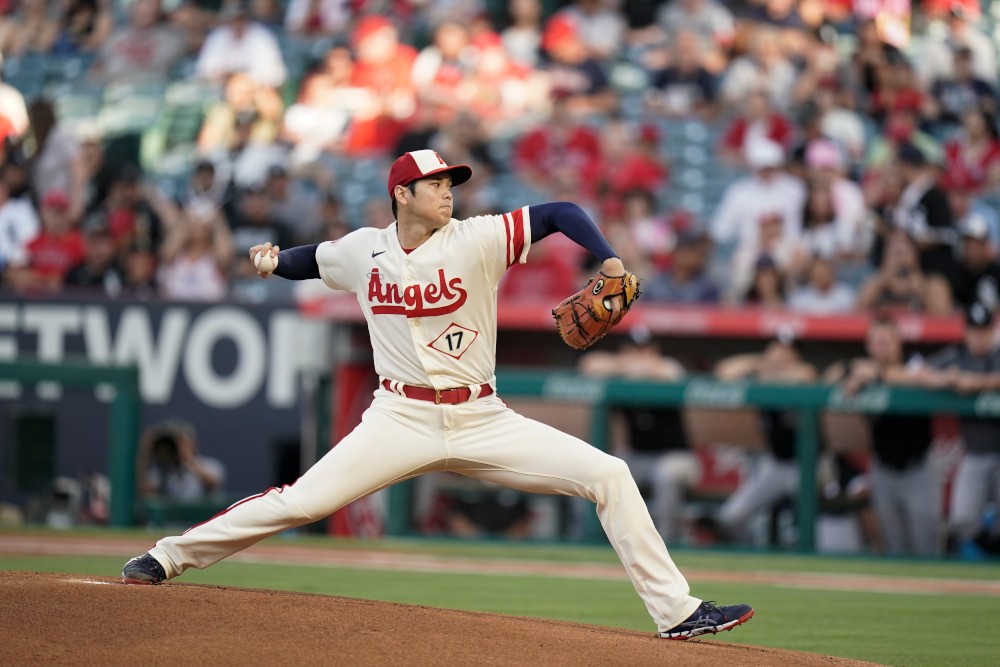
x: 427, y: 285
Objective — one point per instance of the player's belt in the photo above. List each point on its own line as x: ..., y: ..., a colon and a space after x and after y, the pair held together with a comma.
x: 436, y: 396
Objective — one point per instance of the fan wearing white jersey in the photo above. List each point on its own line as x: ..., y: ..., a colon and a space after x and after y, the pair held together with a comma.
x: 427, y: 285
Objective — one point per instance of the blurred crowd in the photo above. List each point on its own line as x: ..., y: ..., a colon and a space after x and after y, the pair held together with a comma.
x: 846, y: 153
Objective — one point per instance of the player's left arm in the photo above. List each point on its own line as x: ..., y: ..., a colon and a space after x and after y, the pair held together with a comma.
x: 575, y: 224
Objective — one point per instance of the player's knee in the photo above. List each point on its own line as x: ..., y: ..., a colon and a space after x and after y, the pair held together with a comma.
x: 611, y: 474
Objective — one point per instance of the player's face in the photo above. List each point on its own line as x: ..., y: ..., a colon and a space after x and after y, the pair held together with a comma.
x: 432, y: 200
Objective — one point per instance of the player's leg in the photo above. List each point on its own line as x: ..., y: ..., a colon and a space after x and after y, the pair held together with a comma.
x: 969, y: 494
x: 887, y: 499
x: 673, y: 474
x: 395, y: 440
x: 768, y: 482
x: 501, y: 446
x: 920, y: 491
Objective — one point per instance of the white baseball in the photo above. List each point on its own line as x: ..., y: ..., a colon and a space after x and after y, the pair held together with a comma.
x: 264, y: 262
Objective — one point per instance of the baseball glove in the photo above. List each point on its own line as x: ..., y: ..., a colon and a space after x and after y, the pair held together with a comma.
x: 587, y: 316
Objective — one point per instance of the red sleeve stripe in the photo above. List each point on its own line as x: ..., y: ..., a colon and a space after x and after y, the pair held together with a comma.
x: 518, y: 244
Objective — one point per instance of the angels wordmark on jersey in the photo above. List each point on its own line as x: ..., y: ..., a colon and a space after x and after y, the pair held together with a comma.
x: 431, y: 312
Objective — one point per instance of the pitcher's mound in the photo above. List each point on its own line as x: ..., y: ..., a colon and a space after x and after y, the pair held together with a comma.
x: 56, y: 619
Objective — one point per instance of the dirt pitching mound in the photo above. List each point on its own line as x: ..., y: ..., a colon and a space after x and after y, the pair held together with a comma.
x: 50, y: 619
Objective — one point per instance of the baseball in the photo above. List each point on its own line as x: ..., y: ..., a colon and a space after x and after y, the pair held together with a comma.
x: 264, y: 262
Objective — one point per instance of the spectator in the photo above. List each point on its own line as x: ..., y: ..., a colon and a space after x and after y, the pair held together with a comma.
x: 823, y: 294
x: 18, y: 224
x: 327, y: 101
x: 240, y: 44
x: 99, y: 269
x: 51, y: 254
x: 291, y: 204
x: 687, y: 279
x: 923, y: 212
x: 901, y: 284
x: 57, y: 162
x: 139, y: 270
x: 205, y: 183
x: 825, y: 172
x: 573, y: 71
x: 972, y: 158
x: 138, y: 212
x: 255, y: 223
x: 938, y: 47
x: 710, y: 20
x: 172, y: 467
x: 954, y: 96
x: 757, y: 120
x: 905, y: 487
x: 523, y: 37
x: 443, y: 68
x: 317, y: 18
x: 383, y: 73
x: 764, y: 67
x: 978, y: 277
x: 767, y: 285
x: 557, y: 146
x: 599, y: 25
x: 685, y: 87
x: 762, y: 212
x: 196, y: 256
x: 84, y: 27
x: 774, y: 476
x: 972, y: 367
x: 840, y: 122
x: 30, y: 30
x: 144, y: 51
x: 626, y: 164
x: 895, y: 89
x: 13, y: 112
x: 655, y: 445
x: 246, y: 103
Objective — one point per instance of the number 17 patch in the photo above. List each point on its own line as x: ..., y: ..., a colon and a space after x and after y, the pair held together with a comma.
x: 454, y: 340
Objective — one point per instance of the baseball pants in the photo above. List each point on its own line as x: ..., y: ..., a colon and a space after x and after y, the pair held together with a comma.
x: 399, y: 438
x: 908, y: 506
x: 977, y: 480
x: 669, y: 475
x: 770, y: 480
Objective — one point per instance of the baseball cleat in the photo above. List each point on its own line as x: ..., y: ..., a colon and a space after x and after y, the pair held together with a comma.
x: 143, y: 570
x: 709, y: 619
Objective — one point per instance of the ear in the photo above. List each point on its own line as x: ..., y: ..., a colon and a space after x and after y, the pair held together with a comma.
x: 401, y: 194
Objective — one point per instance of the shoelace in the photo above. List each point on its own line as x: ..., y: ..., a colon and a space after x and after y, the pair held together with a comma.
x: 710, y: 607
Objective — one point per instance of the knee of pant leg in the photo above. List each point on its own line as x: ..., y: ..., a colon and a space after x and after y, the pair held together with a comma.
x: 612, y: 474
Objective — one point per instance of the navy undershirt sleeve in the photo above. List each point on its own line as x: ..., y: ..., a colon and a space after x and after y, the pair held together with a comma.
x: 298, y: 263
x: 573, y: 222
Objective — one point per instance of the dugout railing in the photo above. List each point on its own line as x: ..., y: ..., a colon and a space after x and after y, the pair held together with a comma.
x: 808, y: 401
x: 123, y: 442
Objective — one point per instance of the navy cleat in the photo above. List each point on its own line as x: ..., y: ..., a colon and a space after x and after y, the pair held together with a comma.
x: 709, y: 619
x: 144, y: 570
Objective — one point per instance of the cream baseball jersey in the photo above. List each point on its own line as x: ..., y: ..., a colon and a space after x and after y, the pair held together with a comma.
x: 432, y: 312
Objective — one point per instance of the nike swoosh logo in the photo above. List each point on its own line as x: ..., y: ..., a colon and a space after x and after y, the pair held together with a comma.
x: 376, y: 254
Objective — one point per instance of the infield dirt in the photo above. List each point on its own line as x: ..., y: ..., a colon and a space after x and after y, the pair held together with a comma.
x: 56, y: 619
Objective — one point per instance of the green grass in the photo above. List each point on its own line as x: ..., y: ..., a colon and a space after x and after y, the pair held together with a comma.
x: 889, y: 628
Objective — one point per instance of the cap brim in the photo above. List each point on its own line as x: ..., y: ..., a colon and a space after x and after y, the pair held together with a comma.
x: 459, y: 173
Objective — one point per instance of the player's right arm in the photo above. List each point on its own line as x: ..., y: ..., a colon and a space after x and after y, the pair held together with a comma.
x: 297, y: 263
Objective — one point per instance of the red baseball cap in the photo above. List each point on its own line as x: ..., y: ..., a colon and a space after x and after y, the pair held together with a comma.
x: 408, y: 167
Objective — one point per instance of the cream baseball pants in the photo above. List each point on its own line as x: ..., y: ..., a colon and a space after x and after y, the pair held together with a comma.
x: 399, y: 438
